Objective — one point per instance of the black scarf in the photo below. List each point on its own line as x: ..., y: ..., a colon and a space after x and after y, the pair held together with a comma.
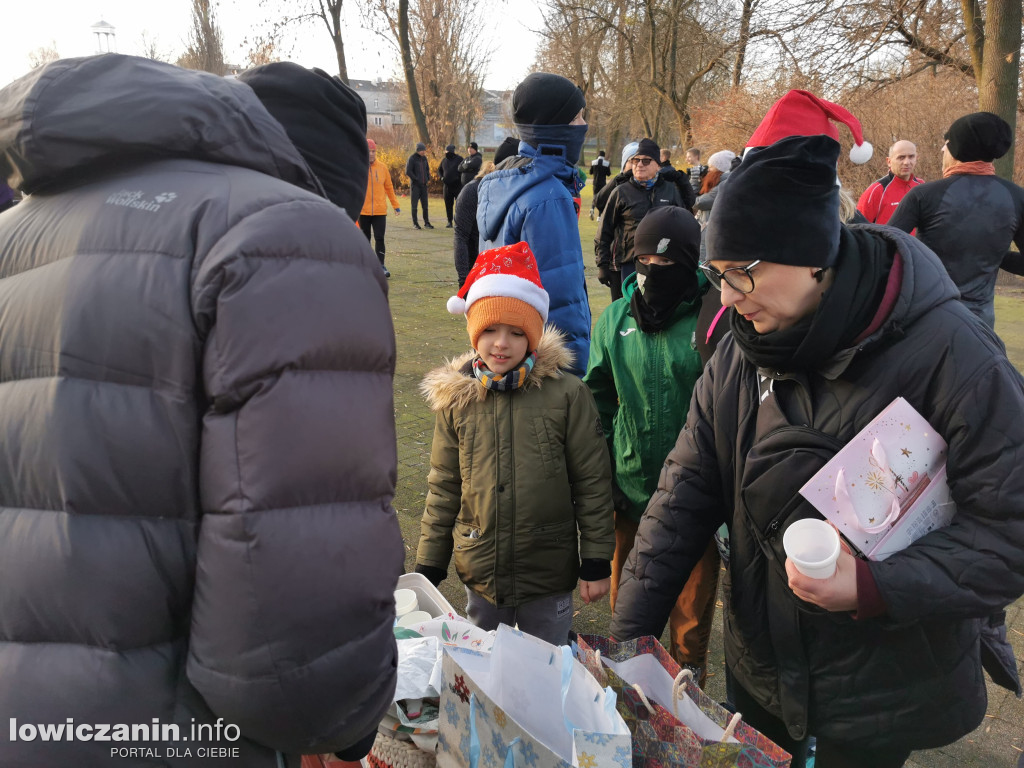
x: 848, y: 306
x: 660, y: 289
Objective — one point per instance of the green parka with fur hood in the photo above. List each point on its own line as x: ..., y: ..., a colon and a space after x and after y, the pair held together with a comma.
x: 516, y: 479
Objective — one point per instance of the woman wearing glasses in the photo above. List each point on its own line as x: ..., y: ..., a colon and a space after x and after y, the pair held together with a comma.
x: 829, y: 326
x: 626, y: 207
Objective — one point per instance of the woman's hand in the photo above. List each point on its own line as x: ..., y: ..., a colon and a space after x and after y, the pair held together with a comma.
x: 592, y: 591
x: 836, y: 593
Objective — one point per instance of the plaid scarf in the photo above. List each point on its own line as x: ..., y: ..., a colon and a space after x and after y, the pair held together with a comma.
x: 514, y: 379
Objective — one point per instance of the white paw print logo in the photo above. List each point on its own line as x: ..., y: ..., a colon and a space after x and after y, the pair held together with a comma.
x: 165, y: 197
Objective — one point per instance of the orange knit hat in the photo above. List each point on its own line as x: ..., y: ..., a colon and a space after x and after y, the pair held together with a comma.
x: 503, y: 287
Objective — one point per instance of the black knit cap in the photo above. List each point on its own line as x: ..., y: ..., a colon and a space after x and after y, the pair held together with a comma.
x: 979, y: 136
x: 509, y: 148
x: 649, y: 148
x: 546, y: 99
x: 781, y: 204
x: 325, y: 120
x: 671, y: 232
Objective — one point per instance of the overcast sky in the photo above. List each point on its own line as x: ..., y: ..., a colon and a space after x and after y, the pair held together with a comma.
x: 66, y: 25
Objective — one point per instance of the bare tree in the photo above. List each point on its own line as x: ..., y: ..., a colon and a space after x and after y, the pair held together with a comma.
x: 205, y: 50
x: 149, y: 47
x: 44, y: 54
x: 882, y: 42
x: 442, y: 59
x: 296, y: 14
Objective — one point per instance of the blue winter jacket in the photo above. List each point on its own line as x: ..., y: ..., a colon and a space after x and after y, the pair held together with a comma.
x: 532, y: 202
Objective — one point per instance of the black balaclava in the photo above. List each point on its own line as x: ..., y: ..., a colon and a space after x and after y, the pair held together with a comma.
x: 673, y: 233
x: 325, y: 120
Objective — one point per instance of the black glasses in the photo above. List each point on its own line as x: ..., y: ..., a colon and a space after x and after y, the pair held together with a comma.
x: 644, y: 161
x: 740, y: 280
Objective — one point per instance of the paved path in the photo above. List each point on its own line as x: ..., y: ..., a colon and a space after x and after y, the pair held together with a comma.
x: 423, y: 277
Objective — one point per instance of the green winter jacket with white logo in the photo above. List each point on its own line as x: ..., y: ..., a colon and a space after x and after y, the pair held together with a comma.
x: 642, y: 384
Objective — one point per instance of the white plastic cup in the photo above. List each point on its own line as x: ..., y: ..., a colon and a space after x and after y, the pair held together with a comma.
x: 405, y: 602
x: 413, y: 618
x: 813, y: 546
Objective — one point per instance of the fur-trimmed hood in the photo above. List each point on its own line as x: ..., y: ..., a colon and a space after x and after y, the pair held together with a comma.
x: 453, y: 384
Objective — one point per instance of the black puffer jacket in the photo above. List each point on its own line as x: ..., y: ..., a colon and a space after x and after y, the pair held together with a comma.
x: 628, y: 203
x: 197, y: 449
x: 470, y: 167
x: 911, y: 678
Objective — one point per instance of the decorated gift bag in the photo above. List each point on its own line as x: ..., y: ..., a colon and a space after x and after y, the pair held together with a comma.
x: 674, y: 723
x: 526, y: 704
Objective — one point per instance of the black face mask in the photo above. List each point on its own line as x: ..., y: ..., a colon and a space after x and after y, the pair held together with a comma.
x: 660, y: 290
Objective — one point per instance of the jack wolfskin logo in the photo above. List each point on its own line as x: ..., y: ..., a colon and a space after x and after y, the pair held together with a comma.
x: 127, y: 198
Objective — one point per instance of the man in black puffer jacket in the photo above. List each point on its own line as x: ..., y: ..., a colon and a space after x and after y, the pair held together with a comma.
x: 627, y: 205
x: 829, y: 326
x: 197, y: 449
x: 448, y: 172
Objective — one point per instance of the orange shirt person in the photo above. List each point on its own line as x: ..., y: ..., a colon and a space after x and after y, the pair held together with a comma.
x: 374, y: 215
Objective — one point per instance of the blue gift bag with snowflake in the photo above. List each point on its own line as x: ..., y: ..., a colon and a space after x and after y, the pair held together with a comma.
x: 526, y: 704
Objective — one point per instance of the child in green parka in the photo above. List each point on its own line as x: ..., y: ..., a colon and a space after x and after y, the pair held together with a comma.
x: 519, y: 488
x: 643, y: 366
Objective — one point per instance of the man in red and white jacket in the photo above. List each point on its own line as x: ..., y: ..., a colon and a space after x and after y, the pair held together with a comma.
x: 879, y: 201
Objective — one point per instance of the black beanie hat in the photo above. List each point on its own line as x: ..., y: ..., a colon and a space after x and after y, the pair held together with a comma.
x: 671, y: 232
x: 325, y: 120
x: 979, y: 136
x: 509, y: 148
x: 648, y: 148
x: 546, y: 99
x: 780, y: 205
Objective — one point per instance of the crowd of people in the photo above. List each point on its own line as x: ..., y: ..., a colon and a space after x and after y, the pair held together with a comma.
x: 197, y: 439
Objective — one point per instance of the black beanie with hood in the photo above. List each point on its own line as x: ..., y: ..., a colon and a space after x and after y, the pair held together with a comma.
x: 325, y: 120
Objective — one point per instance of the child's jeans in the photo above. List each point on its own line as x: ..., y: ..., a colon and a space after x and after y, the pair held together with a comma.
x: 549, y: 618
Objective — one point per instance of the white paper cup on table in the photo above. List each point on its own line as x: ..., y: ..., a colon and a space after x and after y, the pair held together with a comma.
x: 413, y: 618
x: 405, y: 602
x: 813, y: 546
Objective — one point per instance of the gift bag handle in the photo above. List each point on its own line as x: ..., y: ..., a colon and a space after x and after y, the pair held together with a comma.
x: 684, y: 678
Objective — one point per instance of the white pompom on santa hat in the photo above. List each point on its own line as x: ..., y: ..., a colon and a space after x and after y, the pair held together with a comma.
x: 510, y: 271
x: 801, y: 113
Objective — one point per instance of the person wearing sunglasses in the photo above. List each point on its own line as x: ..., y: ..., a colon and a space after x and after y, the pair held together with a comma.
x: 830, y: 324
x: 626, y: 207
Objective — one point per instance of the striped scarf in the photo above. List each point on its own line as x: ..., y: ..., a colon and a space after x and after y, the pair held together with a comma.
x: 514, y: 379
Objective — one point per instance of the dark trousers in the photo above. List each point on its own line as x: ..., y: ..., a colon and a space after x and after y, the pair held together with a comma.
x: 829, y: 754
x: 450, y: 193
x: 615, y: 283
x: 378, y: 224
x: 419, y: 195
x: 627, y: 268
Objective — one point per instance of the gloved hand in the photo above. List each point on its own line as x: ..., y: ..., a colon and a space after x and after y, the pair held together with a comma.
x: 398, y: 211
x: 673, y: 176
x: 604, y: 275
x: 434, y: 575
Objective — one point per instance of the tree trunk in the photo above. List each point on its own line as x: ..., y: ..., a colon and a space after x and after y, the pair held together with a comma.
x: 334, y: 11
x: 741, y: 46
x: 998, y: 77
x: 410, y: 74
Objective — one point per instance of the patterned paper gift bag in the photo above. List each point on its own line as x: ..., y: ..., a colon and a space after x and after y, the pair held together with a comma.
x: 527, y: 704
x: 674, y: 723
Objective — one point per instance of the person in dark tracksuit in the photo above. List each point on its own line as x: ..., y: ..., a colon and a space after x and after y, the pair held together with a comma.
x: 418, y: 170
x: 448, y: 172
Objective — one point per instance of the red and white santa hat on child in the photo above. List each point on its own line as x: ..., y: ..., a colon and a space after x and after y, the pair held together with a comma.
x: 801, y: 113
x: 503, y: 287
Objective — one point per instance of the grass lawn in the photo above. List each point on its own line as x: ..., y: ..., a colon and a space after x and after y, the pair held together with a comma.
x: 423, y: 277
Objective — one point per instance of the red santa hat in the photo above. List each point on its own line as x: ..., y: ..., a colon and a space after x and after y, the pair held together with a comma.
x: 801, y: 113
x: 504, y: 287
x: 371, y: 144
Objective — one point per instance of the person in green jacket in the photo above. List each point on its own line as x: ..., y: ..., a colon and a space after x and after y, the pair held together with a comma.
x: 519, y: 486
x: 643, y: 365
